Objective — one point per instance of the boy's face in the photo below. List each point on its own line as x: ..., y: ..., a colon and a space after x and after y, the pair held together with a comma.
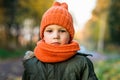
x: 56, y: 35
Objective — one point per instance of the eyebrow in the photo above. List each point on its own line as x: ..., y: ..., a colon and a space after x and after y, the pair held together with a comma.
x: 58, y: 28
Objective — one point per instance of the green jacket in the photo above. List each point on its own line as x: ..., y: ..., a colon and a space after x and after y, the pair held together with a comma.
x: 79, y: 67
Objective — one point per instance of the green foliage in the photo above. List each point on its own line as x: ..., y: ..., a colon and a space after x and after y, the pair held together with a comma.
x: 95, y: 30
x: 4, y: 53
x: 108, y: 70
x: 114, y: 21
x: 9, y: 8
x: 111, y: 48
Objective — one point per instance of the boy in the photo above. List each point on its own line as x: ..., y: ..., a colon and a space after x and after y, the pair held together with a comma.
x: 55, y: 57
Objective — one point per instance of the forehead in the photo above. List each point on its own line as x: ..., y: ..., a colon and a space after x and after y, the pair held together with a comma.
x: 54, y: 27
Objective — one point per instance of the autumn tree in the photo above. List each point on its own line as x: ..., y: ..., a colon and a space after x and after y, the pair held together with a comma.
x: 14, y: 12
x: 98, y: 27
x: 2, y: 11
x: 114, y: 22
x: 32, y: 9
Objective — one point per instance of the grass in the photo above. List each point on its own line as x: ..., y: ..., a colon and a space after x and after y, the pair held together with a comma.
x: 108, y: 69
x: 5, y: 53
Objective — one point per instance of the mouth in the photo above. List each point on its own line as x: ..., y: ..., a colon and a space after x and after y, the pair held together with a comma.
x: 56, y: 43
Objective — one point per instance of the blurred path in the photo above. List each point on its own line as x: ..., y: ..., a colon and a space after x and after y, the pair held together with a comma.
x: 11, y: 69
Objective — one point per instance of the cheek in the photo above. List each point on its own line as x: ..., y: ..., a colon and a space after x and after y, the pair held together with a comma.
x: 66, y: 39
x: 47, y: 39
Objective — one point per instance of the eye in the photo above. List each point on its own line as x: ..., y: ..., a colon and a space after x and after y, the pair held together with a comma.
x: 49, y: 30
x: 62, y: 30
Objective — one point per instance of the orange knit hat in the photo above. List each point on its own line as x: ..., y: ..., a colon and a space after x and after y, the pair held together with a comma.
x: 58, y: 14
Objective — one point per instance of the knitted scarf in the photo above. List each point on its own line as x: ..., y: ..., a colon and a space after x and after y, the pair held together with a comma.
x: 55, y: 53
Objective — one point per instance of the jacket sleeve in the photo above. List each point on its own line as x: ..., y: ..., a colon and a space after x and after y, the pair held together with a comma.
x: 30, y: 69
x: 25, y: 76
x: 88, y: 72
x: 28, y: 63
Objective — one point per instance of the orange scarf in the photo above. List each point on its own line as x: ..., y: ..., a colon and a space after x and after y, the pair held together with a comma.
x: 55, y: 53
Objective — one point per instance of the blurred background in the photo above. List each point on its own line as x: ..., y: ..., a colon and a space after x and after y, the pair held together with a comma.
x: 97, y: 25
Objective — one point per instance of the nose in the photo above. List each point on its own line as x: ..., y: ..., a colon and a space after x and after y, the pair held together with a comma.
x: 56, y: 35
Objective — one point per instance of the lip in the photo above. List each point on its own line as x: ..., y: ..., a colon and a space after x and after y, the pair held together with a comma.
x: 56, y: 43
